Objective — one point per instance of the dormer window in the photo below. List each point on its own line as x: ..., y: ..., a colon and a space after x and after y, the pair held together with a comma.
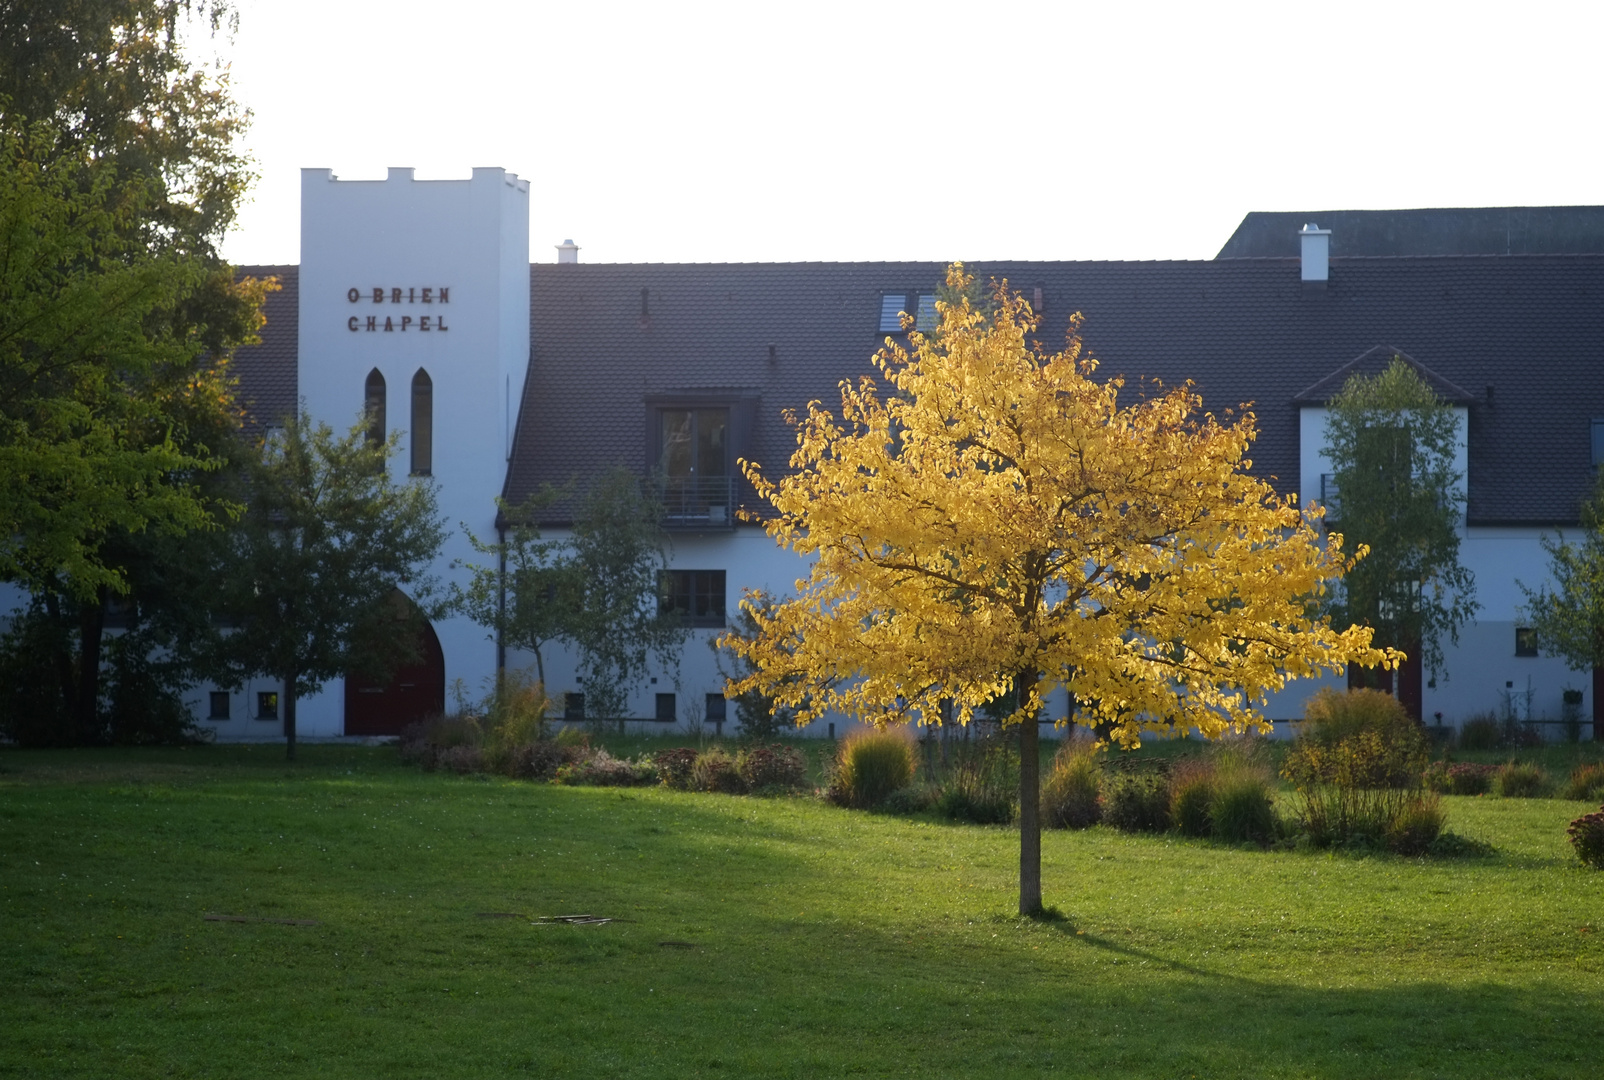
x: 694, y: 466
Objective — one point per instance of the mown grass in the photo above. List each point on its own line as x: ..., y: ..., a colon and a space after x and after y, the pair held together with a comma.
x: 765, y: 937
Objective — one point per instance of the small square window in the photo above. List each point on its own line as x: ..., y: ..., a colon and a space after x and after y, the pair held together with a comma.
x: 219, y: 703
x: 892, y: 305
x: 717, y: 708
x: 267, y: 705
x: 697, y: 596
x: 1525, y: 641
x: 665, y: 708
x: 573, y: 706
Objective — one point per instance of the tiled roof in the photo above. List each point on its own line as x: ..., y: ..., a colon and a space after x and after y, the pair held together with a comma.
x: 1373, y: 363
x: 267, y: 376
x: 1524, y: 334
x: 1477, y: 230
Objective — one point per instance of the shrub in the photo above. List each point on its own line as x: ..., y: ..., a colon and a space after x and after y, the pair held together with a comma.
x: 675, y: 767
x: 426, y: 741
x: 1460, y: 778
x: 910, y: 800
x: 1587, y: 837
x: 1481, y: 732
x: 771, y: 767
x: 715, y: 770
x: 1071, y: 795
x: 1519, y: 780
x: 601, y: 769
x: 461, y: 758
x: 1137, y: 802
x: 1416, y: 827
x: 982, y: 783
x: 1242, y: 809
x: 1586, y: 782
x: 871, y: 763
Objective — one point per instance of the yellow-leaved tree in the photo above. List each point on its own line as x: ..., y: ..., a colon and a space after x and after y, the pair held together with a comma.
x: 996, y: 522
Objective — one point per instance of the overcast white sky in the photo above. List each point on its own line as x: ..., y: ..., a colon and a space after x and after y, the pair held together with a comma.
x: 698, y: 132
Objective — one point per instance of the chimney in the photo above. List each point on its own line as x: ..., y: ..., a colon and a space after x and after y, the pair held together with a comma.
x: 1316, y: 253
x: 567, y: 252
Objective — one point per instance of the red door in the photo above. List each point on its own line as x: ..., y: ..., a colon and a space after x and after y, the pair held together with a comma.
x: 413, y: 692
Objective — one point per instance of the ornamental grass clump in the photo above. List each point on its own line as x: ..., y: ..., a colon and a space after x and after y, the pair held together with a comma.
x: 715, y: 771
x: 1481, y: 732
x: 1192, y: 797
x: 1137, y: 801
x: 1586, y: 782
x: 871, y: 763
x: 981, y: 784
x: 1359, y: 763
x: 1242, y: 810
x: 1520, y: 780
x: 1071, y: 796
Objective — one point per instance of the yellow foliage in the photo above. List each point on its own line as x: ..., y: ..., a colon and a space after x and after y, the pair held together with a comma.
x: 994, y: 517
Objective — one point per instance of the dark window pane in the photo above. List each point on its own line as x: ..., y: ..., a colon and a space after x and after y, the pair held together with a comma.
x: 679, y: 433
x: 711, y: 425
x: 716, y: 706
x: 219, y: 703
x: 373, y: 402
x: 1525, y: 641
x: 267, y: 705
x: 665, y: 708
x: 422, y: 423
x: 573, y: 706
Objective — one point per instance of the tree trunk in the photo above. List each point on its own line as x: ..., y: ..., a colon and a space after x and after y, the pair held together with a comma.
x: 66, y: 676
x: 91, y: 629
x: 289, y: 715
x: 1029, y: 804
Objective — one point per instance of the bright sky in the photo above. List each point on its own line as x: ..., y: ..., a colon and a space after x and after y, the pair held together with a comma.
x: 672, y: 132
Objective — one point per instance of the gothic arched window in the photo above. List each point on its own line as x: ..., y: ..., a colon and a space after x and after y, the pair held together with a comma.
x: 422, y: 424
x: 373, y: 405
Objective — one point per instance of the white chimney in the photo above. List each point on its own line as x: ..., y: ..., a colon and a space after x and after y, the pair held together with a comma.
x: 1316, y: 253
x: 567, y: 252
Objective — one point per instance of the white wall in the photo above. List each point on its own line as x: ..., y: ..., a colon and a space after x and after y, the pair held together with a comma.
x: 471, y: 238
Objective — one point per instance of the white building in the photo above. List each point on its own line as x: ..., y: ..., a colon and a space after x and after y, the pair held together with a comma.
x: 504, y: 375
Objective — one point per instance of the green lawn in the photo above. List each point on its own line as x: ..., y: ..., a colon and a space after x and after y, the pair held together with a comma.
x: 763, y: 937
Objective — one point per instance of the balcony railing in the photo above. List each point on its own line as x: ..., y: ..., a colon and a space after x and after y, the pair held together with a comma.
x: 697, y: 503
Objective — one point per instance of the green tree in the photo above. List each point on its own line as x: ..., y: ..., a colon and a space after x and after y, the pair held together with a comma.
x: 598, y: 589
x: 1391, y: 442
x: 118, y: 86
x: 619, y: 560
x: 528, y: 592
x: 1569, y: 616
x: 760, y: 714
x: 315, y: 565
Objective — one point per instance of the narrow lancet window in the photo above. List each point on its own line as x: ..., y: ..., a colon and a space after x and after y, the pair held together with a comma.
x: 373, y: 405
x: 422, y: 424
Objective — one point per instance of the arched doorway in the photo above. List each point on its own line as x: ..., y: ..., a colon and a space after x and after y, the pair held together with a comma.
x: 413, y: 692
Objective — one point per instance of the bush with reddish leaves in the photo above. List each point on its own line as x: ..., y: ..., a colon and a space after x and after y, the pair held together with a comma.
x: 1587, y: 837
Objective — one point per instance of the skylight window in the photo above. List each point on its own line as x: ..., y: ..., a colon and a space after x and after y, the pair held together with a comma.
x: 922, y: 305
x: 1598, y: 442
x: 892, y: 305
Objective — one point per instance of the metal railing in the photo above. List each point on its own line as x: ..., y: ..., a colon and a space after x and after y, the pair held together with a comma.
x: 701, y: 503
